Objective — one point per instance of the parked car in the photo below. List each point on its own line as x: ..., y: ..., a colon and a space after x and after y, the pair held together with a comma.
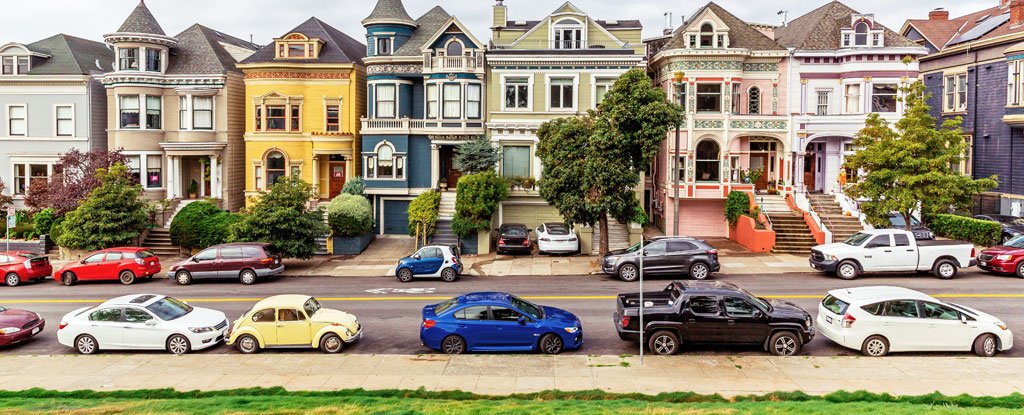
x: 667, y: 255
x: 246, y: 262
x: 1012, y: 225
x: 293, y: 321
x: 17, y: 326
x: 1007, y: 258
x: 712, y: 313
x: 142, y: 322
x: 557, y: 238
x: 434, y: 261
x: 879, y: 320
x: 498, y: 322
x: 114, y: 264
x: 18, y: 267
x: 891, y: 250
x: 921, y: 232
x: 514, y: 238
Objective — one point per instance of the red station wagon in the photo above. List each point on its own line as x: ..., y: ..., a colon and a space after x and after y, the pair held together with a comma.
x: 245, y: 261
x: 113, y: 264
x: 19, y: 267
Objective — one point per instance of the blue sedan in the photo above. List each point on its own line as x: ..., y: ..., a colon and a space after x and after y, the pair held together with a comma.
x: 498, y: 322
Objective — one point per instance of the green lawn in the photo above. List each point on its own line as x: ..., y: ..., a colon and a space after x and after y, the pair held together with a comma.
x: 278, y: 401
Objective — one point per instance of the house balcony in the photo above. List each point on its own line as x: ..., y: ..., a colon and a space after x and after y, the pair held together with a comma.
x: 407, y: 126
x: 473, y: 64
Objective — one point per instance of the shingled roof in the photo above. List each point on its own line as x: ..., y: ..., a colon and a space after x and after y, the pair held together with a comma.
x: 821, y: 28
x: 947, y: 33
x: 429, y: 24
x: 71, y: 55
x: 389, y: 11
x: 201, y: 50
x: 141, y: 21
x: 338, y: 47
x: 741, y: 34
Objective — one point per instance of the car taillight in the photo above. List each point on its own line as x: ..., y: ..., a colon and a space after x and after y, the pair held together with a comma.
x: 266, y: 260
x: 972, y: 253
x: 501, y: 241
x: 28, y: 264
x: 848, y: 321
x: 625, y: 321
x: 526, y: 242
x: 62, y: 325
x: 712, y: 252
x: 428, y: 324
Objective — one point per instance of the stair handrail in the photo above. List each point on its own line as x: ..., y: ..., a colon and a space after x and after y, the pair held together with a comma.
x: 848, y: 204
x: 759, y: 202
x: 816, y: 217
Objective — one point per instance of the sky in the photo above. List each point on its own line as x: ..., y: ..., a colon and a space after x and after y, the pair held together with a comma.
x: 266, y: 19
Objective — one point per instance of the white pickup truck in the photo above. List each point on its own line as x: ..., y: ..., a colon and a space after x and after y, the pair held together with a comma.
x: 891, y: 250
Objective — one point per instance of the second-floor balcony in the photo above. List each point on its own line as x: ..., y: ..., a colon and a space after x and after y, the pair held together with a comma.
x: 422, y: 127
x: 470, y: 63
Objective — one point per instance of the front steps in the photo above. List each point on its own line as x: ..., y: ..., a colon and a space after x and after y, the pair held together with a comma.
x: 831, y: 214
x: 792, y: 235
x: 159, y: 242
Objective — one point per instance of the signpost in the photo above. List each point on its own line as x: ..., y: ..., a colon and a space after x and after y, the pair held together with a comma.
x: 641, y: 312
x: 12, y: 221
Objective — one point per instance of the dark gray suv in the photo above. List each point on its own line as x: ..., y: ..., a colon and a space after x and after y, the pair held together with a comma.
x: 667, y: 255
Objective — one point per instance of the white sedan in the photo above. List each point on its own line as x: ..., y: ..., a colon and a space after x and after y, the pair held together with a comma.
x: 557, y: 238
x: 142, y: 322
x: 879, y: 320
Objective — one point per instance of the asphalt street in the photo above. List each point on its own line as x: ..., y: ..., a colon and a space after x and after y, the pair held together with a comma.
x: 390, y: 310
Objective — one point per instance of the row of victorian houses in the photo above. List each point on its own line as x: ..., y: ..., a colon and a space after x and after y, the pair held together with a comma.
x: 205, y: 114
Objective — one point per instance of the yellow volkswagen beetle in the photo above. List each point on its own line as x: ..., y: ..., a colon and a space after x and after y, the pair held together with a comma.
x: 293, y: 321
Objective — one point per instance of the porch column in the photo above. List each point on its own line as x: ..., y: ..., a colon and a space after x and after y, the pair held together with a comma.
x: 435, y: 164
x: 176, y: 174
x: 202, y: 178
x: 316, y: 175
x: 169, y: 180
x: 214, y: 177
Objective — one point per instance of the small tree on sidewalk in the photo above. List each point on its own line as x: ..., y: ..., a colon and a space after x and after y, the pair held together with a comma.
x: 281, y: 218
x: 113, y: 214
x: 911, y: 164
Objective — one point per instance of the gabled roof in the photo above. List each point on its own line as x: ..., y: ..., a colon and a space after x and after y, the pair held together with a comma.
x: 389, y: 11
x: 936, y: 32
x: 429, y: 24
x: 741, y: 34
x: 141, y: 21
x: 71, y: 55
x: 946, y: 33
x: 820, y: 29
x: 201, y: 50
x: 338, y: 47
x: 452, y: 21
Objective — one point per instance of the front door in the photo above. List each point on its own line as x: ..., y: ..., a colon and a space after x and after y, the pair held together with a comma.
x: 810, y: 164
x: 760, y: 162
x: 452, y: 170
x: 337, y: 179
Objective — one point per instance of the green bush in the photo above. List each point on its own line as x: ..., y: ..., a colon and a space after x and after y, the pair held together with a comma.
x: 350, y: 215
x: 187, y: 224
x: 354, y: 186
x: 43, y: 221
x: 980, y: 232
x: 113, y: 214
x: 477, y: 198
x: 214, y: 230
x: 424, y: 210
x: 57, y: 229
x: 736, y: 205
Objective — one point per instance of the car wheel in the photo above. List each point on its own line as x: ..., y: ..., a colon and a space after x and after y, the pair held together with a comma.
x: 664, y: 343
x: 68, y: 278
x: 247, y: 344
x: 12, y: 280
x: 449, y: 275
x: 986, y: 346
x: 126, y: 277
x: 629, y: 273
x: 847, y: 270
x: 331, y: 343
x: 875, y: 346
x: 1020, y: 269
x: 453, y: 345
x: 247, y: 277
x: 183, y: 277
x: 405, y: 275
x: 785, y: 343
x: 178, y: 344
x: 700, y: 271
x: 551, y: 344
x: 945, y: 269
x: 86, y: 344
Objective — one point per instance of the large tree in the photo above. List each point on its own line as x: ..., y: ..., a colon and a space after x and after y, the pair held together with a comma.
x: 593, y: 163
x: 282, y: 218
x: 911, y: 165
x: 476, y: 156
x: 74, y: 177
x: 113, y: 214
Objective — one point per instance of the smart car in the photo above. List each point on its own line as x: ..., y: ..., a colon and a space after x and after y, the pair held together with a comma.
x: 293, y: 321
x: 433, y: 261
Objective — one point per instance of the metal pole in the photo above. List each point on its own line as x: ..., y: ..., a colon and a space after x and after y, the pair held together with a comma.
x: 641, y: 312
x: 675, y: 168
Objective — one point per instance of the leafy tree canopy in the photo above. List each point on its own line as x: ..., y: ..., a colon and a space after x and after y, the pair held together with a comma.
x: 74, y: 177
x: 281, y: 217
x: 477, y: 198
x: 477, y: 156
x: 113, y: 214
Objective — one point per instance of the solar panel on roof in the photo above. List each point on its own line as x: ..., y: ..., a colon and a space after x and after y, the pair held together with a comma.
x: 981, y: 29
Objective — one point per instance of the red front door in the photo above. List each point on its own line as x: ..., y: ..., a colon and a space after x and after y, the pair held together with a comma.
x: 337, y: 179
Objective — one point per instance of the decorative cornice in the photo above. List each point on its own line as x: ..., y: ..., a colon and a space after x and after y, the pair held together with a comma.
x: 144, y: 79
x: 386, y: 69
x: 708, y: 124
x: 758, y: 124
x: 296, y: 75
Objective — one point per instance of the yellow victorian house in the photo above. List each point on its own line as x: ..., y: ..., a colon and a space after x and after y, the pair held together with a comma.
x: 304, y: 94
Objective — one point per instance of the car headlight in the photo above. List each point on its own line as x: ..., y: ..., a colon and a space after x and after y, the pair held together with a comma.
x: 10, y: 330
x: 198, y: 330
x: 572, y: 330
x: 611, y: 259
x: 832, y: 257
x: 1005, y: 257
x: 1001, y: 325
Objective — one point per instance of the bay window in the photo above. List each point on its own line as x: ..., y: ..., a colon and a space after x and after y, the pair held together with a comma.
x: 276, y: 120
x: 145, y: 170
x: 296, y: 117
x: 515, y: 161
x: 709, y: 97
x: 183, y: 113
x: 153, y: 112
x: 65, y: 124
x: 384, y: 163
x: 17, y: 120
x: 474, y: 98
x: 452, y: 101
x: 883, y: 98
x: 154, y: 171
x: 130, y: 112
x: 385, y: 101
x: 517, y: 93
x: 853, y: 99
x: 824, y: 100
x: 129, y: 109
x: 128, y: 59
x: 153, y: 60
x: 561, y: 93
x: 432, y: 97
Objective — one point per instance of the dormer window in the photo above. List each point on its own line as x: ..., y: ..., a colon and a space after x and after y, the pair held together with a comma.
x: 296, y: 51
x: 454, y: 49
x: 383, y: 46
x: 297, y: 46
x: 862, y: 32
x: 860, y: 37
x: 15, y: 65
x: 707, y: 35
x: 568, y: 34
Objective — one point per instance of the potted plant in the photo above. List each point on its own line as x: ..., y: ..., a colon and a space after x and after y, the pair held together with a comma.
x: 443, y: 184
x: 350, y: 218
x: 193, y: 189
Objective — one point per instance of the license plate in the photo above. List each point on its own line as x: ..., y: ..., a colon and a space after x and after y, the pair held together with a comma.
x: 828, y: 319
x: 36, y: 331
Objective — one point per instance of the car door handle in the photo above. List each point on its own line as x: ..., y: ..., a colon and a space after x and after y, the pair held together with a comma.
x: 280, y: 325
x: 910, y: 250
x: 731, y: 322
x: 127, y: 327
x: 888, y: 250
x: 462, y: 326
x: 692, y: 320
x: 867, y: 256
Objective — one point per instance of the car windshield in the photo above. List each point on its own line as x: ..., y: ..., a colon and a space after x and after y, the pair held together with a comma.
x: 898, y: 222
x: 760, y: 302
x: 527, y: 307
x: 557, y: 229
x: 311, y: 306
x: 1017, y: 242
x: 168, y: 308
x: 962, y: 309
x: 445, y: 305
x: 857, y: 239
x: 28, y: 255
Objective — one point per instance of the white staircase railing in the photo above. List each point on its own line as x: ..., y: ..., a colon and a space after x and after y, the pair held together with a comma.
x: 852, y: 206
x: 802, y: 202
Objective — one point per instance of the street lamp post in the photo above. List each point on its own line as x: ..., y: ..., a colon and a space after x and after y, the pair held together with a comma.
x: 680, y: 96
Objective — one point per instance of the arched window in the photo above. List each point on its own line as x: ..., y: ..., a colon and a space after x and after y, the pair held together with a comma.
x: 860, y: 37
x: 385, y: 161
x: 708, y: 161
x: 754, y: 101
x: 454, y: 49
x: 707, y: 35
x: 275, y: 167
x: 568, y: 34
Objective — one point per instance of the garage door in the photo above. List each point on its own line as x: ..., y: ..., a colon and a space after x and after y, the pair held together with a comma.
x: 703, y: 218
x: 530, y: 215
x: 396, y: 217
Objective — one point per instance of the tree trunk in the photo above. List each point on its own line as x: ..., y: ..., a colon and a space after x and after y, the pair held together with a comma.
x: 603, y: 224
x: 907, y: 219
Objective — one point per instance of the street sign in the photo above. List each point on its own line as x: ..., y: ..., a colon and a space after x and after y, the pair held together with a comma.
x: 12, y: 221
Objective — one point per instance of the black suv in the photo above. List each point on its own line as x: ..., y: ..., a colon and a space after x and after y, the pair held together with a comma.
x: 666, y: 255
x: 713, y: 313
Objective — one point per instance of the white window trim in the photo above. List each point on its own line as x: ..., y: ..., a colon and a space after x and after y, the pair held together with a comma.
x: 340, y: 102
x: 213, y: 113
x: 462, y: 101
x: 575, y: 92
x: 7, y: 121
x: 600, y: 79
x: 437, y: 101
x: 56, y: 130
x: 377, y: 37
x: 553, y: 26
x: 860, y: 97
x: 398, y: 96
x: 829, y: 93
x: 49, y: 161
x: 144, y: 167
x: 530, y: 163
x: 395, y: 156
x: 15, y: 67
x: 529, y: 89
x: 721, y: 98
x: 958, y: 106
x: 454, y: 40
x: 465, y: 101
x: 143, y: 125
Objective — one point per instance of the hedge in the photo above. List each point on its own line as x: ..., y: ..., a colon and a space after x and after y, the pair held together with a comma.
x: 350, y: 215
x: 980, y: 232
x: 186, y: 225
x: 424, y: 211
x: 737, y: 204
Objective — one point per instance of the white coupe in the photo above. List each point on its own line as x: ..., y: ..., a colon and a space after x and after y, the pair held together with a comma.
x: 142, y: 322
x: 557, y: 238
x: 879, y: 320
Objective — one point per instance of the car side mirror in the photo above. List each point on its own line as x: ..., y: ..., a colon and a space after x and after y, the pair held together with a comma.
x: 416, y: 257
x: 195, y: 259
x: 522, y: 321
x: 81, y: 262
x: 151, y: 322
x: 758, y: 314
x: 963, y: 319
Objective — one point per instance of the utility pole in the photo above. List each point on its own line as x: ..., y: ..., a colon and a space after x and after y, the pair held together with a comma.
x: 680, y: 95
x: 640, y: 314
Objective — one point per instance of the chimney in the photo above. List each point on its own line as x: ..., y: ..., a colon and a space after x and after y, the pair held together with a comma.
x: 500, y: 14
x: 938, y: 14
x: 1016, y: 13
x: 668, y: 24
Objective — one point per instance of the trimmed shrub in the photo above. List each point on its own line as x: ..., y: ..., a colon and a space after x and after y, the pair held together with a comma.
x: 477, y: 198
x: 214, y: 230
x: 350, y: 215
x: 980, y: 232
x: 354, y: 186
x: 43, y: 221
x: 736, y: 205
x: 113, y: 214
x: 187, y: 224
x: 424, y: 210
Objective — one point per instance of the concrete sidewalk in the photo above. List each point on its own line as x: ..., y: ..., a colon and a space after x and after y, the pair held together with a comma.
x: 506, y: 374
